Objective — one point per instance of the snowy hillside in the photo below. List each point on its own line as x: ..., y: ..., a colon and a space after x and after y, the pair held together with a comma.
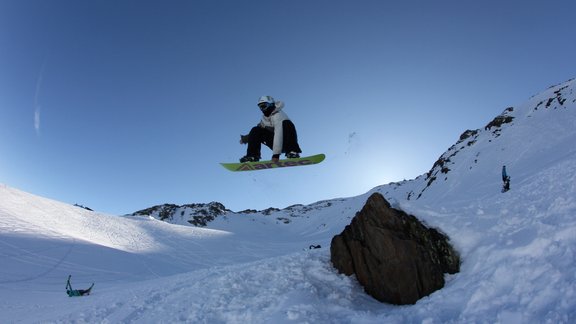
x: 518, y: 248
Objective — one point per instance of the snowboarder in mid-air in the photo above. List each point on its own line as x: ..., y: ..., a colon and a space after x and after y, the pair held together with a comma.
x: 275, y: 130
x: 505, y: 179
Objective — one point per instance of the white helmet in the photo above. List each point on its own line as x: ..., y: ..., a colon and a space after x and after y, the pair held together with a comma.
x: 266, y: 99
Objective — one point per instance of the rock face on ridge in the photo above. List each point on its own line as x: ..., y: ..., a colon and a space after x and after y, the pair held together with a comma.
x: 396, y: 258
x: 194, y: 214
x: 469, y: 151
x: 201, y: 215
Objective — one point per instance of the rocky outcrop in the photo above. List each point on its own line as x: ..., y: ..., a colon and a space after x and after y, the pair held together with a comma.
x: 200, y: 215
x: 195, y: 214
x: 394, y: 257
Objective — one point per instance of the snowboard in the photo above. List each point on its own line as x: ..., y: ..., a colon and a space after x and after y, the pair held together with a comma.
x: 263, y: 165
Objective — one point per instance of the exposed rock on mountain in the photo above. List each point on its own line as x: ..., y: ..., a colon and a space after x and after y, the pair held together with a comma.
x: 472, y: 142
x: 194, y: 214
x: 201, y: 215
x: 394, y: 257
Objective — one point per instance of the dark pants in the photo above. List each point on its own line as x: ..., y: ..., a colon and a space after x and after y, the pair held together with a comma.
x: 259, y: 135
x: 507, y: 183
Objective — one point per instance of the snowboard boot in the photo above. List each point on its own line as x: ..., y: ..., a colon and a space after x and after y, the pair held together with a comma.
x: 248, y: 158
x: 292, y: 155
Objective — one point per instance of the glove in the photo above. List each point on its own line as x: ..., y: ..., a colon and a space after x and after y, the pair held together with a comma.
x: 244, y: 139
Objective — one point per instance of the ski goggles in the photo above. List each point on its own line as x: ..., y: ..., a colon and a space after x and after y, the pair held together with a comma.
x: 264, y: 105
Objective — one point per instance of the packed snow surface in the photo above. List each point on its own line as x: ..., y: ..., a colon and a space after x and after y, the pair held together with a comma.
x: 518, y: 247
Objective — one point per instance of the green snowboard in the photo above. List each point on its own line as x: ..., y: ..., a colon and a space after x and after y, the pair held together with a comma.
x: 262, y: 165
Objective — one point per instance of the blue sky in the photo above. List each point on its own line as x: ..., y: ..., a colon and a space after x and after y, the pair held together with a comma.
x: 121, y: 105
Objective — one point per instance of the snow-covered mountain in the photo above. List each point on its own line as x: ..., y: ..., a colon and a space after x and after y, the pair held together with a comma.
x: 518, y: 248
x: 524, y: 138
x: 191, y: 214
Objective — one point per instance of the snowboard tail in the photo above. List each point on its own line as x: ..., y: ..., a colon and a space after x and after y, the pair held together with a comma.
x: 263, y: 165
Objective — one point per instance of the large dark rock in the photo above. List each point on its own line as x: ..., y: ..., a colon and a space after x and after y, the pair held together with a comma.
x: 394, y: 257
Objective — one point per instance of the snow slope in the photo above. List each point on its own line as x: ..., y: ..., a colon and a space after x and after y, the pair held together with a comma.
x: 518, y: 248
